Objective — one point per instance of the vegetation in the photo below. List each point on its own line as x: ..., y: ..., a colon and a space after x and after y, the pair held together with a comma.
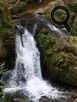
x: 2, y: 71
x: 59, y: 57
x: 6, y: 25
x: 59, y: 54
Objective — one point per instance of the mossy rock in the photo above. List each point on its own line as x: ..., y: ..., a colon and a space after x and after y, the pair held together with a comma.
x: 59, y: 56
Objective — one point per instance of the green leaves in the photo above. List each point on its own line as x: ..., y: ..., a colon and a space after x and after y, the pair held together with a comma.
x: 1, y: 88
x: 2, y: 70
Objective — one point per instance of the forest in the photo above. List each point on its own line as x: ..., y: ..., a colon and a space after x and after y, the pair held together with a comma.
x: 38, y: 57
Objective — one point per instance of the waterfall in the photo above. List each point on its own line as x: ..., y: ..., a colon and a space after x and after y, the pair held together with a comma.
x: 27, y: 75
x: 57, y: 31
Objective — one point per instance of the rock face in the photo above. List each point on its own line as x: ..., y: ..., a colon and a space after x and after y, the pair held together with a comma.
x: 59, y: 57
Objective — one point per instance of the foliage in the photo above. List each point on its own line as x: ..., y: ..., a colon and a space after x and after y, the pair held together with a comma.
x: 6, y: 26
x: 73, y: 7
x: 2, y: 71
x: 59, y: 57
x: 1, y: 88
x: 74, y: 27
x: 7, y: 98
x: 18, y: 8
x: 44, y: 38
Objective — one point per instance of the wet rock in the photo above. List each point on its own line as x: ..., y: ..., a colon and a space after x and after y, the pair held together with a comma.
x: 15, y: 97
x: 73, y: 94
x: 45, y: 99
x: 21, y: 100
x: 75, y: 100
x: 6, y: 76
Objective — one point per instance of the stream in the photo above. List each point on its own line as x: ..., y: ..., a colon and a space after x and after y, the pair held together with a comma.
x: 26, y: 78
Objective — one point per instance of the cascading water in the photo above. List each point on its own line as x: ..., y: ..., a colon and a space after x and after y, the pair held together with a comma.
x: 27, y: 73
x: 49, y: 25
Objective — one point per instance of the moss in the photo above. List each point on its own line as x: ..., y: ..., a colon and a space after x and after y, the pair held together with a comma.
x: 44, y: 39
x: 73, y: 7
x: 1, y: 88
x: 74, y: 27
x: 15, y: 97
x: 6, y: 25
x: 59, y: 57
x: 2, y: 71
x: 60, y: 15
x: 7, y: 32
x: 7, y: 98
x: 21, y: 7
x: 63, y: 65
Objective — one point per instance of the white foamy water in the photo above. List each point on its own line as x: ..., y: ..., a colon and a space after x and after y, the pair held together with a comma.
x: 56, y: 30
x: 27, y: 75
